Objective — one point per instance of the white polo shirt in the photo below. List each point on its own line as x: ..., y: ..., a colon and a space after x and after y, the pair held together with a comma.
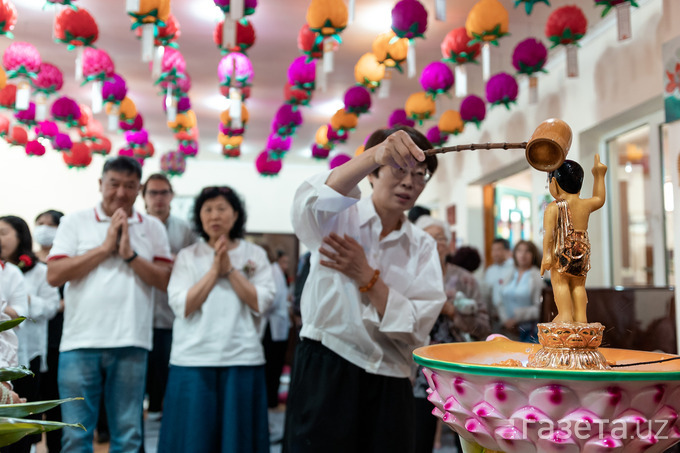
x: 335, y: 313
x: 111, y: 306
x: 224, y: 331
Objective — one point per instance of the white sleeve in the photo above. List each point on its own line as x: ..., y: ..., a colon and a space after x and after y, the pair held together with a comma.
x: 315, y: 208
x: 9, y: 344
x: 409, y: 317
x: 263, y: 280
x: 44, y: 301
x: 66, y: 240
x: 159, y: 241
x: 14, y: 289
x: 533, y: 311
x: 181, y: 280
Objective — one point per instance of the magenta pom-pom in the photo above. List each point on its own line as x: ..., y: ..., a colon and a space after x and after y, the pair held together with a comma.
x: 529, y: 56
x: 357, y: 100
x: 473, y: 109
x: 501, y: 89
x: 399, y: 117
x: 409, y: 19
x: 436, y: 78
x: 338, y: 160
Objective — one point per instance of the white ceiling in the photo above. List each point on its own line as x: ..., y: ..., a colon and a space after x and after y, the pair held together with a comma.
x: 277, y: 23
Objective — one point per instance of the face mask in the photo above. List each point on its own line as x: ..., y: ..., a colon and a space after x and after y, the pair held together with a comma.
x: 44, y: 235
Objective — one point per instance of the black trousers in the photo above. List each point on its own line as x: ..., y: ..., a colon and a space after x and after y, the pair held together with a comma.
x: 29, y: 388
x: 275, y: 355
x: 425, y: 425
x: 335, y: 406
x: 50, y: 391
x: 158, y: 368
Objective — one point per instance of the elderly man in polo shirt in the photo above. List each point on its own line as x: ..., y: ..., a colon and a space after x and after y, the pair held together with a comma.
x: 112, y: 256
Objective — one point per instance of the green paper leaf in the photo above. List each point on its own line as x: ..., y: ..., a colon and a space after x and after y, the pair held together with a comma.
x: 14, y: 429
x: 36, y: 407
x: 14, y: 373
x: 11, y: 323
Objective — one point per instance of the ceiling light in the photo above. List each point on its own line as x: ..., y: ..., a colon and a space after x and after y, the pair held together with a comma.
x: 375, y: 17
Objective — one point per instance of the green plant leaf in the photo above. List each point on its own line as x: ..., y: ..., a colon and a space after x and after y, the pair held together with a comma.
x: 13, y: 429
x: 36, y: 407
x: 11, y: 323
x: 14, y: 373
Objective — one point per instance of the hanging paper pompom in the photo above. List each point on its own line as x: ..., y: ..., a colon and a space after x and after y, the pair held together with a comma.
x: 399, y: 117
x: 357, y: 100
x: 46, y: 129
x: 336, y: 136
x: 321, y: 137
x: 451, y: 123
x: 296, y: 96
x: 150, y: 12
x: 338, y: 160
x: 245, y: 36
x: 226, y: 122
x: 100, y: 145
x: 79, y: 156
x: 183, y: 104
x: 183, y: 121
x: 502, y: 89
x: 21, y: 58
x: 67, y: 110
x: 308, y: 43
x: 360, y: 149
x: 390, y: 50
x: 529, y: 56
x: 302, y: 74
x: 327, y: 17
x: 127, y: 109
x: 473, y: 110
x: 63, y: 2
x: 75, y: 27
x: 18, y: 136
x: 130, y: 152
x: 173, y: 66
x: 436, y: 136
x: 145, y: 151
x: 369, y: 72
x: 166, y: 35
x: 4, y: 126
x: 26, y: 116
x: 344, y: 121
x: 566, y: 25
x: 62, y: 142
x: 179, y: 87
x: 409, y: 19
x: 173, y: 163
x: 97, y: 65
x: 249, y: 6
x: 320, y: 152
x: 456, y: 47
x: 85, y: 116
x: 420, y: 107
x: 49, y: 79
x: 8, y: 96
x: 286, y: 120
x: 488, y: 20
x: 114, y: 89
x: 436, y: 78
x: 3, y: 78
x: 609, y: 4
x: 188, y: 148
x: 8, y: 18
x: 230, y: 142
x: 266, y: 166
x: 529, y: 4
x: 278, y: 146
x: 137, y: 139
x: 35, y: 148
x: 236, y: 70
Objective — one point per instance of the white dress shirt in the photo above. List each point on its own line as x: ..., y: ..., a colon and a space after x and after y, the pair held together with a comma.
x: 277, y: 316
x: 111, y: 306
x: 9, y: 345
x: 335, y: 313
x: 43, y: 305
x: 497, y: 275
x: 224, y: 331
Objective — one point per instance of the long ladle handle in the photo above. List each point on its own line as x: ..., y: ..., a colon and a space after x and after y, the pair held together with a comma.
x: 474, y: 146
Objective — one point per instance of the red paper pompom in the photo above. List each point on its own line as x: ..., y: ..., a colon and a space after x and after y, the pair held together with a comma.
x: 75, y: 27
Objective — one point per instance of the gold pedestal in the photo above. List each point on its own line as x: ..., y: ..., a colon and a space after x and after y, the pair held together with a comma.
x: 571, y: 346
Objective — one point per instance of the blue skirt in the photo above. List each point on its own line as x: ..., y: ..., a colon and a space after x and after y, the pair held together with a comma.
x: 215, y: 410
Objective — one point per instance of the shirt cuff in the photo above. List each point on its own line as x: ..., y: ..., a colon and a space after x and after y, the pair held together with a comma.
x: 328, y: 199
x: 398, y: 316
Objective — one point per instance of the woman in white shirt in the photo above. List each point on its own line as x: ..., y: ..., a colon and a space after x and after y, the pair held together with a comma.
x: 216, y: 401
x: 16, y: 247
x: 374, y: 291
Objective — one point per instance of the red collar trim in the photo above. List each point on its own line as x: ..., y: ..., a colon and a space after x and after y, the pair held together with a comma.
x: 2, y: 264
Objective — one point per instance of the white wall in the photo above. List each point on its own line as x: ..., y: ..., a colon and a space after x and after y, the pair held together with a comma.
x: 617, y: 80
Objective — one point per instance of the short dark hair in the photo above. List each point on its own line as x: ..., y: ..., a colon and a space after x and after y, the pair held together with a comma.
x: 466, y: 257
x: 123, y: 164
x: 156, y: 177
x: 536, y: 257
x: 25, y: 243
x: 504, y: 242
x: 569, y: 176
x: 226, y: 192
x: 419, y: 139
x: 416, y: 212
x: 54, y: 215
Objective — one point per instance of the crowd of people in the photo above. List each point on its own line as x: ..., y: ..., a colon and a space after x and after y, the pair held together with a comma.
x: 125, y: 305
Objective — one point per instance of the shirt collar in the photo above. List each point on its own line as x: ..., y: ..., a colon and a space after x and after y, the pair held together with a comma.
x: 367, y: 213
x: 99, y: 215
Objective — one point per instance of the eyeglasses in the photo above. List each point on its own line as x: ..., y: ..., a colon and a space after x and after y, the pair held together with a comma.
x: 419, y: 176
x: 157, y: 193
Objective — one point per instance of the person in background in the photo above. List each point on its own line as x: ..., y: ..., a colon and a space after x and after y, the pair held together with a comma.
x: 495, y: 276
x: 45, y: 230
x: 463, y: 318
x: 112, y: 256
x: 299, y: 286
x: 415, y: 212
x: 157, y: 193
x: 275, y: 339
x: 373, y: 293
x: 216, y: 395
x: 16, y: 247
x: 521, y: 296
x: 466, y: 257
